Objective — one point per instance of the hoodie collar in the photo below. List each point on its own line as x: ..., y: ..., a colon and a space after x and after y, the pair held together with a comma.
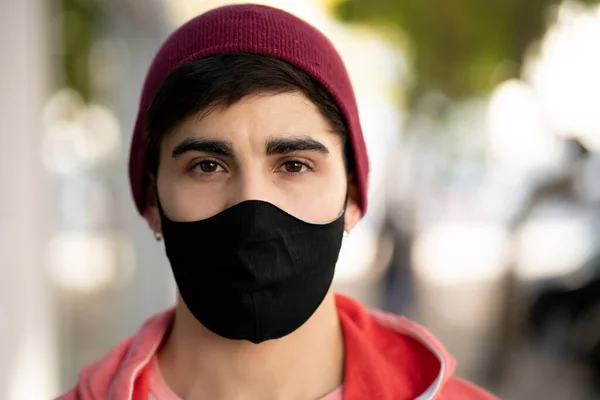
x: 390, y: 357
x: 141, y: 350
x: 371, y: 360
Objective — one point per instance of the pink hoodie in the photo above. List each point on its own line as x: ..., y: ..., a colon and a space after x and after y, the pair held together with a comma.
x: 386, y: 357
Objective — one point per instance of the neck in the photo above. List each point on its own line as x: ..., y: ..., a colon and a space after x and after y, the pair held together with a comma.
x: 306, y: 364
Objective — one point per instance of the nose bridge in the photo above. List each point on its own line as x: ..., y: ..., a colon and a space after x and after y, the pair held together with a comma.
x: 250, y: 184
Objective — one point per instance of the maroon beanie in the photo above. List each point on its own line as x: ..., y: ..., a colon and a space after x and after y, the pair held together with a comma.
x: 259, y: 30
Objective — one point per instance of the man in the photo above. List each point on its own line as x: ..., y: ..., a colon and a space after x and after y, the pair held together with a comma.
x: 249, y: 161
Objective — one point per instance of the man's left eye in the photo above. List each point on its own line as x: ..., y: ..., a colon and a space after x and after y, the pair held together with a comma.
x: 294, y: 167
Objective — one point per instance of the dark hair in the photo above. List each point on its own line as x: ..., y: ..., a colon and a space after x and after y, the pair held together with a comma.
x: 221, y: 81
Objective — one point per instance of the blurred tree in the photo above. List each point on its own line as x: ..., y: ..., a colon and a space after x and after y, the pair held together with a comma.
x: 75, y: 26
x: 459, y: 47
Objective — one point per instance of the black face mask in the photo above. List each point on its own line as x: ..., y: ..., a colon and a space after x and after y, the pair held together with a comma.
x: 253, y: 271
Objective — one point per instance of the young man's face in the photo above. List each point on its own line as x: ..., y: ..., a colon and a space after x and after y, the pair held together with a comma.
x: 275, y: 148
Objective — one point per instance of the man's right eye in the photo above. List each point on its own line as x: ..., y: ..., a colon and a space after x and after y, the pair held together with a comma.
x: 207, y: 167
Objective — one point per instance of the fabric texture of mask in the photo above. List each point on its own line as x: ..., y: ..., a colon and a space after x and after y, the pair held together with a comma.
x: 252, y: 272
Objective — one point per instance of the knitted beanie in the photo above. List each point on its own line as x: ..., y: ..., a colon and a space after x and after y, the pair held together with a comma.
x: 256, y: 29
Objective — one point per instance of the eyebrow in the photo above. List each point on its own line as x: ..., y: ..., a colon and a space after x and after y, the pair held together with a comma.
x: 211, y: 146
x: 286, y: 146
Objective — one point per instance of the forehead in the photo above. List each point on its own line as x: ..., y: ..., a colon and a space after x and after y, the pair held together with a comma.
x: 256, y: 118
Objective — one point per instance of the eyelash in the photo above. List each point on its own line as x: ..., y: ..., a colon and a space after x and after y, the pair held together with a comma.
x: 197, y: 164
x: 303, y: 162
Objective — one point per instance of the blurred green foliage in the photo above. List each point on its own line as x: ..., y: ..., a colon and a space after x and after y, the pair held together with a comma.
x: 458, y: 47
x: 75, y: 27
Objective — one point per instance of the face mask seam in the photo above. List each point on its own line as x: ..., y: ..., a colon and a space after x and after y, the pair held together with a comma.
x: 255, y: 317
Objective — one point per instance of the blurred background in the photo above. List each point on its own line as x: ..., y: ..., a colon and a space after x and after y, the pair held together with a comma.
x: 482, y: 122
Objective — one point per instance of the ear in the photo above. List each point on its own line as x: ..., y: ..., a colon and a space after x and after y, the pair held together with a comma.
x: 353, y: 213
x: 151, y: 213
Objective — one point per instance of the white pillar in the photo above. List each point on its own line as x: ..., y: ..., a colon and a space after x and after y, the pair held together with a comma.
x: 27, y: 363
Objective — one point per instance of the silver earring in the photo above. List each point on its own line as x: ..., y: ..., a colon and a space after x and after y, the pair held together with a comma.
x: 346, y: 233
x: 158, y: 236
